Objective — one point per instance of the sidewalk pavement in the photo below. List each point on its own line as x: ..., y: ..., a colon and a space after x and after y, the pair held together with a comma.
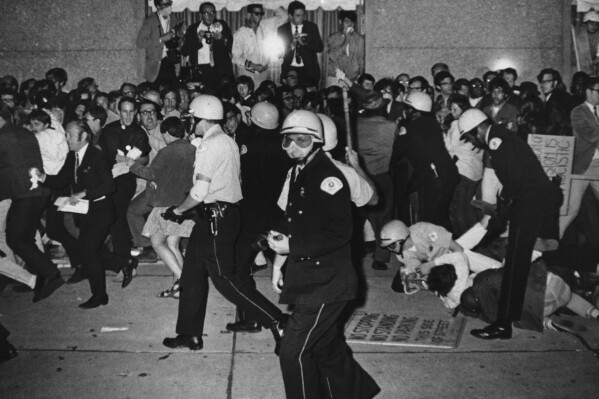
x: 63, y: 352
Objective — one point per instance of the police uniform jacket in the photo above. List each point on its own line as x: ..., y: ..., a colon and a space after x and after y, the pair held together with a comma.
x: 423, y: 145
x: 319, y: 222
x: 516, y: 166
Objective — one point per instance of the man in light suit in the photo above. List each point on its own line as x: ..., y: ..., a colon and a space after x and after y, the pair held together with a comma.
x: 585, y: 123
x: 154, y: 33
x: 302, y: 41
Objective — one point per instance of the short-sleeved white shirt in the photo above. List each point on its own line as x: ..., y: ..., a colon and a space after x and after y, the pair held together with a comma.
x: 217, y: 159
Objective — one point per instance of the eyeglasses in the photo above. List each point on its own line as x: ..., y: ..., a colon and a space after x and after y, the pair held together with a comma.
x: 147, y: 113
x: 302, y: 140
x: 591, y: 89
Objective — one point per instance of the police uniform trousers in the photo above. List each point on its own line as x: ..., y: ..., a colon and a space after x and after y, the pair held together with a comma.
x: 534, y: 211
x: 214, y: 256
x: 434, y: 198
x: 316, y: 362
x: 254, y: 221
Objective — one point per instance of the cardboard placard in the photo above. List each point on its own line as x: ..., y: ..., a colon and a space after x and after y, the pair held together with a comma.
x: 556, y: 154
x: 405, y: 330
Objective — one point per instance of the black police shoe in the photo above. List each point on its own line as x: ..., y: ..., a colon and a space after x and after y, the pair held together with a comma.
x: 378, y: 265
x: 249, y: 326
x: 182, y: 341
x: 493, y: 331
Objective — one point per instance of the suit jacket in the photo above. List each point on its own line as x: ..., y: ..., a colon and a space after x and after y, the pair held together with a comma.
x: 311, y: 69
x: 93, y: 176
x: 221, y: 48
x: 557, y: 113
x: 19, y: 151
x: 148, y: 38
x: 507, y: 116
x: 319, y: 221
x: 586, y: 131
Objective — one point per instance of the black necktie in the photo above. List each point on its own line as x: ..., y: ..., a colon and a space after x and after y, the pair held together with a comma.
x: 76, y: 165
x: 298, y: 58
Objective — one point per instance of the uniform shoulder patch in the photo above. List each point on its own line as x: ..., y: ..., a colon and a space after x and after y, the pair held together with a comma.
x: 433, y: 236
x: 495, y: 143
x: 201, y: 148
x: 331, y: 185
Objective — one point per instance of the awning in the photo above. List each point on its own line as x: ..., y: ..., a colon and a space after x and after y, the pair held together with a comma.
x: 236, y: 5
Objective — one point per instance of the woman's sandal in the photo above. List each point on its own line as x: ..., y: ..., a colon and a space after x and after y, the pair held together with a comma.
x: 172, y: 292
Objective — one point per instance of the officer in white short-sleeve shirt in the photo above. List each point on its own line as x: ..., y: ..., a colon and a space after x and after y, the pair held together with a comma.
x: 210, y: 252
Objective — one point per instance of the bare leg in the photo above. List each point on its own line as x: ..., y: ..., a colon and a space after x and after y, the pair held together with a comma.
x: 158, y: 241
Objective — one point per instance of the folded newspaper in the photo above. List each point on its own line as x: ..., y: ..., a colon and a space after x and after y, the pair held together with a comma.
x: 63, y: 204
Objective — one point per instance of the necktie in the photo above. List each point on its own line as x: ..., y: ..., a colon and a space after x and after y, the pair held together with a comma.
x: 298, y: 59
x: 76, y: 165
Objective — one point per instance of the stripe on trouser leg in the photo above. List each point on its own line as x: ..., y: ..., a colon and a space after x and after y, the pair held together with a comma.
x: 304, y: 348
x: 329, y: 385
x: 235, y: 287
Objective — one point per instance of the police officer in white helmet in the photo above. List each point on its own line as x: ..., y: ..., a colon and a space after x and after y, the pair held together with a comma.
x: 210, y: 252
x: 320, y: 278
x: 528, y: 200
x: 263, y: 170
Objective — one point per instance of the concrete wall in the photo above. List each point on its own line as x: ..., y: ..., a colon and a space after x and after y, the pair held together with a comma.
x: 472, y: 36
x: 86, y: 37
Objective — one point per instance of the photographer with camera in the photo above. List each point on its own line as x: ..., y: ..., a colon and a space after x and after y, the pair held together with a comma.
x: 302, y: 42
x: 153, y: 36
x: 209, y: 43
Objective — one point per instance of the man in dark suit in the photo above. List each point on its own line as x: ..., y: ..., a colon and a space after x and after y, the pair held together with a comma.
x: 302, y: 41
x: 586, y: 151
x: 209, y: 43
x: 154, y: 33
x: 558, y: 103
x: 19, y: 152
x: 531, y: 207
x: 86, y: 172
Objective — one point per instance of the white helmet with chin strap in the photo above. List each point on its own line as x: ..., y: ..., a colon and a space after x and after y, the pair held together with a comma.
x: 393, y: 231
x: 304, y: 122
x: 330, y: 132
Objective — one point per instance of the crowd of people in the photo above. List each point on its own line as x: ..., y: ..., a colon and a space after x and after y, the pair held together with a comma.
x: 218, y: 175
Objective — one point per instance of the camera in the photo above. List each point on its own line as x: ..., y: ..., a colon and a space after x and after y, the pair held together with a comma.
x: 208, y: 37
